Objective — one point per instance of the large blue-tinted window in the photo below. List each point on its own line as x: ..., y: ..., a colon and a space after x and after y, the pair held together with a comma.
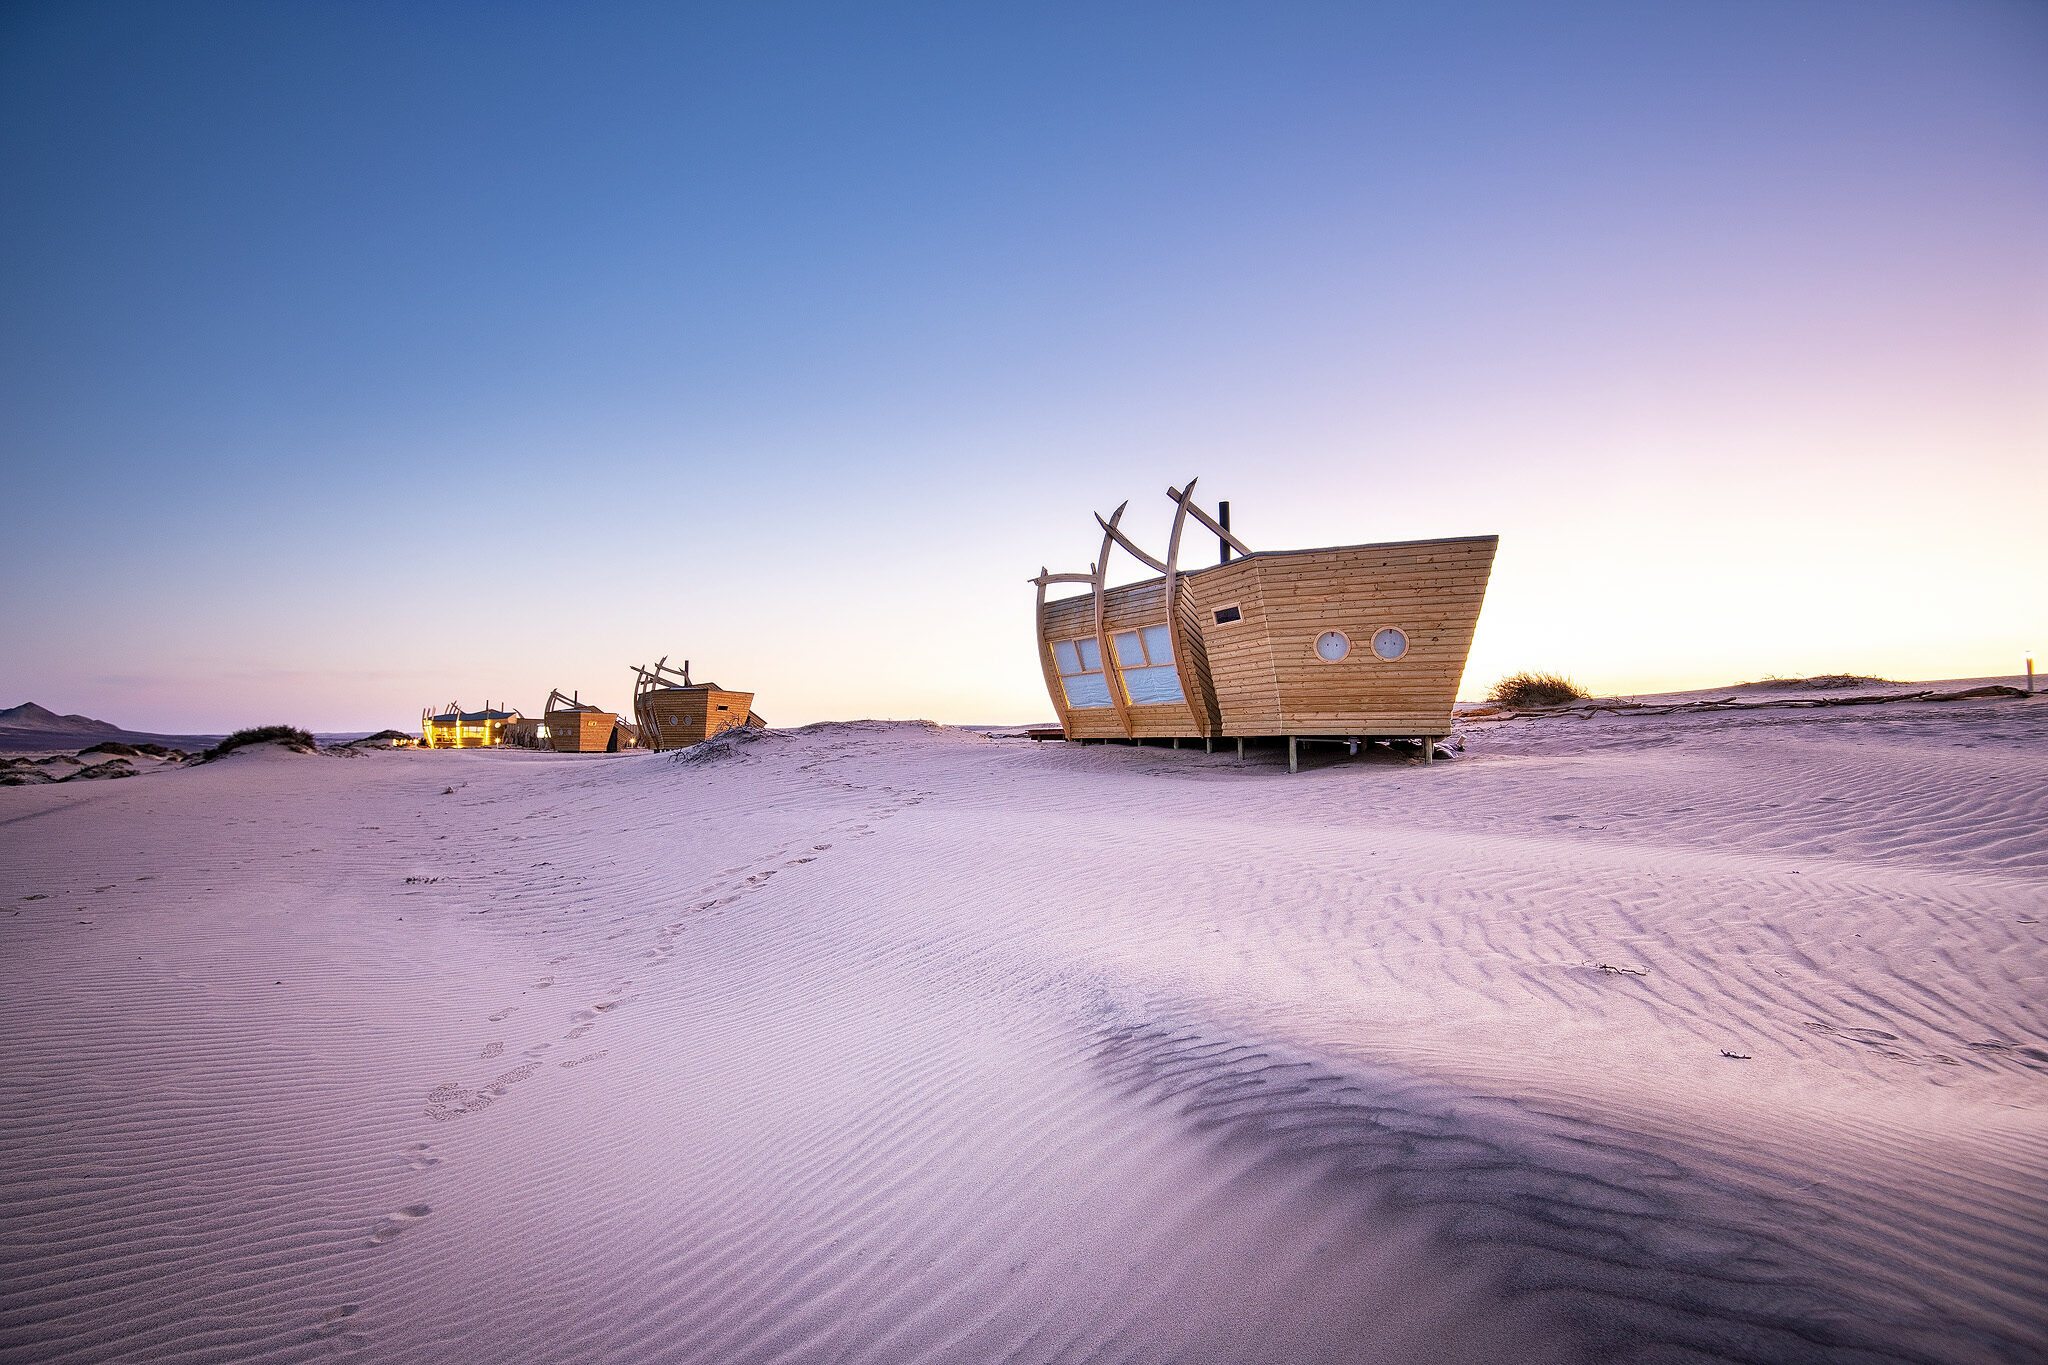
x: 1080, y: 666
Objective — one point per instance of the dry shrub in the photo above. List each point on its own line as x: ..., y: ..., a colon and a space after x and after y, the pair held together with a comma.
x: 289, y: 735
x: 1523, y: 690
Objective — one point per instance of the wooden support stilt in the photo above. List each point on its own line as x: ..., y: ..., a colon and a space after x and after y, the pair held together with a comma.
x: 1428, y: 750
x: 1208, y: 745
x: 1240, y: 748
x: 1176, y: 741
x: 1293, y: 757
x: 1354, y: 746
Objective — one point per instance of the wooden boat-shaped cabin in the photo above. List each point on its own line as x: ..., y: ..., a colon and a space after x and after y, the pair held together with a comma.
x: 674, y: 713
x: 1353, y: 642
x: 525, y: 733
x: 577, y: 727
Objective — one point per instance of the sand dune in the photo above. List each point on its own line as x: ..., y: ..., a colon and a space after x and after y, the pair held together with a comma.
x: 895, y: 1043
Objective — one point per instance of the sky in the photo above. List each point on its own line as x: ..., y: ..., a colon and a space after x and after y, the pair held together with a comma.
x: 355, y: 358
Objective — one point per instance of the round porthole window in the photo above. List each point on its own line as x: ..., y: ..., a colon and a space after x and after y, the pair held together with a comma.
x: 1389, y: 644
x: 1332, y: 645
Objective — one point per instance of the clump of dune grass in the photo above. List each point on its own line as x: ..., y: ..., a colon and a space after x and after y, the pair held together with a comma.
x: 1525, y: 689
x: 291, y: 736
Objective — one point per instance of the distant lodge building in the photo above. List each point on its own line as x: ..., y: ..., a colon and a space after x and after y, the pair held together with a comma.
x: 1352, y: 643
x: 572, y: 726
x: 454, y: 728
x: 669, y: 712
x: 674, y: 713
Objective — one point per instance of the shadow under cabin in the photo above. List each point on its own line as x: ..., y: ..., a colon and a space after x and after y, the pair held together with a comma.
x: 1346, y: 644
x: 674, y: 713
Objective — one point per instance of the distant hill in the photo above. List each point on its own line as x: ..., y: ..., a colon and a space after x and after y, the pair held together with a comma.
x: 33, y: 728
x: 29, y: 716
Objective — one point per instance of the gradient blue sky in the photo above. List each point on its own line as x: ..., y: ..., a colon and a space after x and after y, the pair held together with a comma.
x: 354, y: 357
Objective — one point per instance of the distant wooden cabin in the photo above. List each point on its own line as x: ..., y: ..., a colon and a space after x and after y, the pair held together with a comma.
x: 1352, y: 642
x: 577, y: 727
x: 528, y: 732
x: 674, y: 713
x: 454, y: 728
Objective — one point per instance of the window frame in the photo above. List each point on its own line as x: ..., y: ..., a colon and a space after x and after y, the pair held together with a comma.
x: 1081, y: 646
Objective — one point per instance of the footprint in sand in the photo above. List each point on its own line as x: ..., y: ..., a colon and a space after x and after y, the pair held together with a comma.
x: 334, y: 1319
x: 334, y: 1327
x: 492, y: 1050
x: 449, y: 1101
x: 502, y: 1015
x: 1869, y: 1037
x: 398, y: 1222
x: 420, y: 1156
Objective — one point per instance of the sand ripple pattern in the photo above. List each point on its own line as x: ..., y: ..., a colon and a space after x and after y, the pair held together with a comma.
x: 1703, y: 1038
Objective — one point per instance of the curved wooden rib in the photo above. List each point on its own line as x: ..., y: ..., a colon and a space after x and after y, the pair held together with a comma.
x: 1111, y: 673
x: 1053, y: 688
x: 1120, y: 538
x: 1199, y: 714
x: 1199, y: 515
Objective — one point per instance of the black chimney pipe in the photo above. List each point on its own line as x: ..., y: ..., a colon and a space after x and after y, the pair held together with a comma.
x: 1223, y: 520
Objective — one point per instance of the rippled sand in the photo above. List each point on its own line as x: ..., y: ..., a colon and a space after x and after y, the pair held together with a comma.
x: 894, y: 1043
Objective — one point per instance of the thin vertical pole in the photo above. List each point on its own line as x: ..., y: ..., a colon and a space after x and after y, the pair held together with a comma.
x: 1223, y: 520
x: 1240, y: 748
x: 2030, y: 675
x: 1293, y: 759
x: 1428, y: 750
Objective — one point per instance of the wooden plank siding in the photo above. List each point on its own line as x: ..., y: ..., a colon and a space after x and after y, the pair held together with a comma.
x: 1239, y: 654
x: 1270, y: 681
x: 677, y: 717
x: 1187, y: 638
x: 580, y: 732
x: 1261, y: 675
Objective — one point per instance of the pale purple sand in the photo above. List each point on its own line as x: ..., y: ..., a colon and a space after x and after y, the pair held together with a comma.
x: 893, y: 1043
